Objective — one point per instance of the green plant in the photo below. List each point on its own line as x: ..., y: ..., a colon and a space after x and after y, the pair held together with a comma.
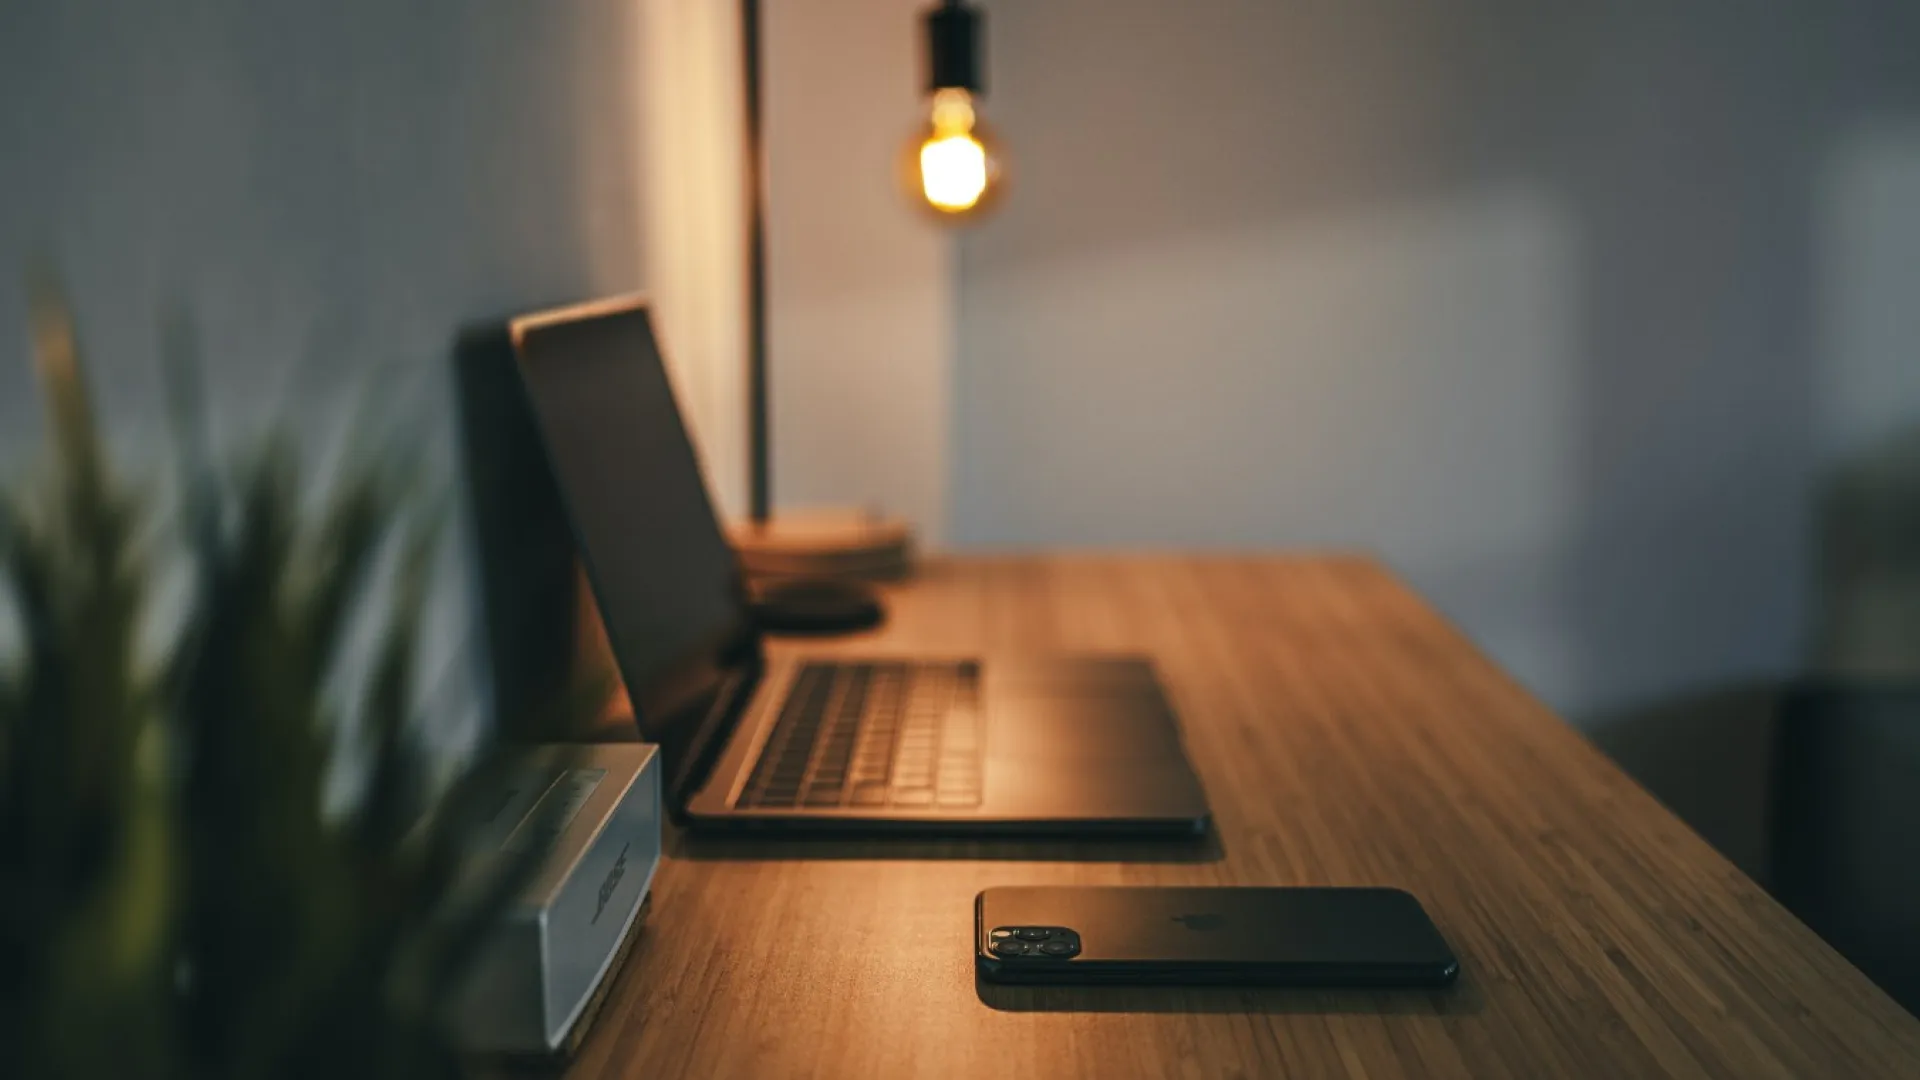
x: 174, y: 899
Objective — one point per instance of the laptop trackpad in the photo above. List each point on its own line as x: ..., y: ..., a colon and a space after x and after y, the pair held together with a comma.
x: 1094, y: 790
x: 1106, y: 728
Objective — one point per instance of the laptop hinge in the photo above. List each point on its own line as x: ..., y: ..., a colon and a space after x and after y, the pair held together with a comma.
x: 721, y: 717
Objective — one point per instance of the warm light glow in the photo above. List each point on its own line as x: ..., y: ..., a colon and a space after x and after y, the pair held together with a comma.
x: 952, y: 110
x: 954, y: 164
x: 953, y: 171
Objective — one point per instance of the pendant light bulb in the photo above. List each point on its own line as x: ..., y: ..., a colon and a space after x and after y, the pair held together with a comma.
x: 953, y: 164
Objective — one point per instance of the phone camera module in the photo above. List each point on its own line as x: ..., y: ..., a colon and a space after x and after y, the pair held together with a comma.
x: 1040, y: 942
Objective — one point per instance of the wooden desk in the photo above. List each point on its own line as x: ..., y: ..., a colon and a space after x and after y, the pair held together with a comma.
x: 1346, y: 734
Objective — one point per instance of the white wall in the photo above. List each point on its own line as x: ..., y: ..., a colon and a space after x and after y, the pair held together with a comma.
x: 861, y: 293
x: 1545, y: 304
x: 330, y: 189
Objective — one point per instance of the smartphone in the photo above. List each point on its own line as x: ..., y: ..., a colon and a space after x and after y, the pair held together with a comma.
x: 1276, y: 936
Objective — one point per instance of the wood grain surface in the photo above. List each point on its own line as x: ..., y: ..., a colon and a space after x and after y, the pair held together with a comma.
x: 1346, y: 734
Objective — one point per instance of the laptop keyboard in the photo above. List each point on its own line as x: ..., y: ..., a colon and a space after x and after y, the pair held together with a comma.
x: 873, y: 735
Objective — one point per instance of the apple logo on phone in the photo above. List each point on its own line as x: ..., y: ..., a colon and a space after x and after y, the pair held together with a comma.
x: 1202, y: 920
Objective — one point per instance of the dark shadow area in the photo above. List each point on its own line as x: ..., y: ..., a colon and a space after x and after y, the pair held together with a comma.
x: 1708, y: 757
x: 1462, y: 999
x: 1845, y: 821
x: 686, y: 845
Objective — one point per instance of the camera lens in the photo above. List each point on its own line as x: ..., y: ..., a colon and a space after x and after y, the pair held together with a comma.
x: 1002, y: 932
x: 1034, y: 933
x: 1059, y: 948
x: 1012, y: 947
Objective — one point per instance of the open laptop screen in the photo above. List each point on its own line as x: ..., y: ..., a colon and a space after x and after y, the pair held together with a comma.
x: 665, y: 580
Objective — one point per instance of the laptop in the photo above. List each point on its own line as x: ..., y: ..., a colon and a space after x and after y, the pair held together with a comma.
x: 887, y: 743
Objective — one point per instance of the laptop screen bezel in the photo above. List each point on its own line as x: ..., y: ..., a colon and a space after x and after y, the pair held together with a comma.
x: 693, y: 701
